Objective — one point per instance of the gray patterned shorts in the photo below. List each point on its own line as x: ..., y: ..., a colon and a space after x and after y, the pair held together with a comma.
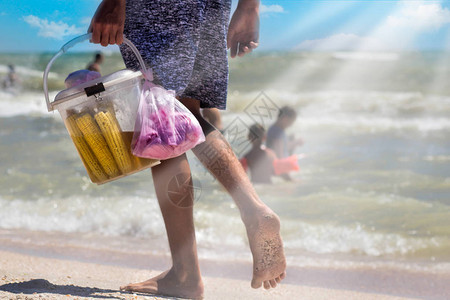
x: 184, y: 42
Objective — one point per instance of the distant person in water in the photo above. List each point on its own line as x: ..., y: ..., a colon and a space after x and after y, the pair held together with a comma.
x: 259, y: 160
x: 262, y: 162
x: 277, y: 139
x: 95, y: 65
x: 11, y: 79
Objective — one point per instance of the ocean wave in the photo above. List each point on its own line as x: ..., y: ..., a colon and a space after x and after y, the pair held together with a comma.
x: 374, y: 125
x: 27, y: 72
x: 28, y: 103
x: 134, y: 216
x: 360, y: 111
x: 137, y: 216
x: 329, y: 238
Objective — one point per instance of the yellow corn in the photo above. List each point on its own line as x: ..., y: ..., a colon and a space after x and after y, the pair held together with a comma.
x: 98, y: 145
x: 137, y: 161
x: 111, y: 132
x: 93, y: 167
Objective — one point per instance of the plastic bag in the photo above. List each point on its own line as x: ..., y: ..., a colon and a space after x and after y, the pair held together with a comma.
x: 164, y: 127
x: 79, y: 77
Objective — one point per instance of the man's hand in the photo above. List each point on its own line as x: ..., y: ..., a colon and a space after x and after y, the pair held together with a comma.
x: 107, y: 23
x: 243, y: 32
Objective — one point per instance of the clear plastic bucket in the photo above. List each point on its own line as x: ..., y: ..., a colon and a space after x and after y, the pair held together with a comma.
x: 100, y: 115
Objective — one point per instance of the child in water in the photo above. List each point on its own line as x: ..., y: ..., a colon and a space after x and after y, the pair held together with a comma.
x: 259, y: 159
x: 278, y: 141
x: 262, y: 161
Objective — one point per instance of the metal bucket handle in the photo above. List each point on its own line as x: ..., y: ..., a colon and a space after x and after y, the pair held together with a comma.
x: 72, y: 43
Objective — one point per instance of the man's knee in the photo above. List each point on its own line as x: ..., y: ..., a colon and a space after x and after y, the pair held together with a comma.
x: 192, y: 104
x: 194, y: 107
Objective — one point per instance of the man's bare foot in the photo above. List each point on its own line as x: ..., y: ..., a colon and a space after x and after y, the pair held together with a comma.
x: 169, y: 284
x: 269, y: 263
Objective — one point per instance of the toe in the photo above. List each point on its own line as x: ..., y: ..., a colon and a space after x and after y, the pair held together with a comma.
x: 129, y: 287
x: 256, y: 283
x: 278, y: 279
x: 283, y: 275
x: 273, y: 284
x: 266, y: 285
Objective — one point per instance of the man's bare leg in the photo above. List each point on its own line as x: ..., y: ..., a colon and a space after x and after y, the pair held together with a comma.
x: 212, y: 115
x: 262, y: 224
x: 173, y: 185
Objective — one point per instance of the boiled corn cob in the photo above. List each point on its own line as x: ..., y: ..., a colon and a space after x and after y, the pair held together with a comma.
x: 95, y: 140
x: 137, y: 162
x: 92, y: 165
x: 112, y: 134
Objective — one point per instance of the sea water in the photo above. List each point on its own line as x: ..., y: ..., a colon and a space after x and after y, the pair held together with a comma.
x: 374, y: 185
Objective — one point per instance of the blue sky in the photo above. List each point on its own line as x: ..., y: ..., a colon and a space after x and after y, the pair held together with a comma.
x: 36, y: 25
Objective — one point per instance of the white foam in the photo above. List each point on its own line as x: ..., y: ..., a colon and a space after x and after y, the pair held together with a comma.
x: 28, y: 103
x: 329, y: 238
x: 360, y: 111
x: 373, y: 124
x: 113, y: 216
x: 27, y: 72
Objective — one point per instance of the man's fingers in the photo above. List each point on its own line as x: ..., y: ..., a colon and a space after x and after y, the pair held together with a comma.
x: 112, y: 36
x: 96, y: 33
x: 242, y: 48
x: 253, y: 45
x: 233, y: 49
x: 119, y: 37
x: 230, y: 39
x: 105, y: 36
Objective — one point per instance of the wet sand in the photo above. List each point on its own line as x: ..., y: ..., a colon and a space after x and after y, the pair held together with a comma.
x: 32, y: 277
x: 50, y: 265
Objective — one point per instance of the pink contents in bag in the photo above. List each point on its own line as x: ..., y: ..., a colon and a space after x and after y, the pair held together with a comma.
x: 164, y: 127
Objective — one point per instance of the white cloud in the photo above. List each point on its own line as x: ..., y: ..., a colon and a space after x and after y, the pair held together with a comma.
x: 341, y: 41
x: 409, y: 22
x: 419, y: 16
x: 397, y: 31
x: 274, y: 8
x: 52, y: 29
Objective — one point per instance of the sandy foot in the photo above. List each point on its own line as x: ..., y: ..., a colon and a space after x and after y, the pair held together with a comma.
x: 169, y: 284
x: 269, y: 263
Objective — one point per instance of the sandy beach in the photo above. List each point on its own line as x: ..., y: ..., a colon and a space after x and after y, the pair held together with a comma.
x: 32, y: 277
x: 39, y: 265
x: 366, y: 217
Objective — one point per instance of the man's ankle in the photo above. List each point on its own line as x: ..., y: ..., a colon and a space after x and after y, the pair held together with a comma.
x: 186, y: 274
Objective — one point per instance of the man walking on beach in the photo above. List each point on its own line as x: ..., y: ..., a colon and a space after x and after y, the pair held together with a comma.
x: 185, y: 42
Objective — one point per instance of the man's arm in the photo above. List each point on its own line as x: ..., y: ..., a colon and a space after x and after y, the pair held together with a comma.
x: 243, y: 32
x: 293, y: 143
